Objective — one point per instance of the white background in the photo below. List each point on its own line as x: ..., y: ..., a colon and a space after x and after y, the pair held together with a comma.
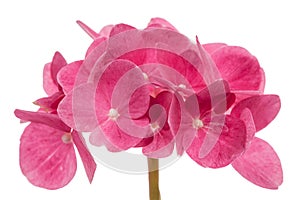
x: 31, y: 31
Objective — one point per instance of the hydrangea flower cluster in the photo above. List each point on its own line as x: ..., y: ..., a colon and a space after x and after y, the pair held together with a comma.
x: 153, y: 89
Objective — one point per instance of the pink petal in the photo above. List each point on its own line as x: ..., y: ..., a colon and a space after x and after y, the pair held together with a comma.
x: 88, y: 30
x: 49, y: 85
x: 51, y: 120
x: 50, y: 104
x: 45, y: 159
x: 162, y: 144
x: 67, y: 75
x: 77, y: 109
x: 230, y: 143
x: 86, y: 157
x: 212, y: 47
x: 97, y: 138
x: 170, y: 66
x: 119, y: 28
x: 214, y: 95
x: 161, y: 23
x: 58, y: 62
x: 260, y: 165
x: 240, y: 69
x: 96, y: 43
x: 264, y: 109
x: 116, y: 90
x: 105, y: 31
x: 247, y: 118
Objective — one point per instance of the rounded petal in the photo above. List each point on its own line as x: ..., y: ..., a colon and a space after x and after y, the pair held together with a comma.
x: 260, y: 165
x: 160, y: 23
x: 230, y: 144
x: 240, y: 69
x: 67, y: 76
x: 264, y: 108
x: 212, y: 47
x: 45, y: 159
x: 77, y: 108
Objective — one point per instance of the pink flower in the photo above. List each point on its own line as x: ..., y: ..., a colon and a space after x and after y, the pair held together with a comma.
x: 259, y: 163
x: 239, y: 68
x: 219, y: 138
x: 161, y: 57
x: 47, y: 156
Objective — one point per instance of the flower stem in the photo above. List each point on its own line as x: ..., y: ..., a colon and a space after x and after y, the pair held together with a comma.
x: 153, y: 175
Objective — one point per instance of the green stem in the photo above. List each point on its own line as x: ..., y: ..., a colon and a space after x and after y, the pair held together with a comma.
x: 153, y: 169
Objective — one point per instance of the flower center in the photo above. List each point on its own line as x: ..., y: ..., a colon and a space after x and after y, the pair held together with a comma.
x: 154, y: 127
x: 197, y: 123
x: 145, y: 76
x: 113, y: 114
x: 182, y: 86
x: 66, y: 138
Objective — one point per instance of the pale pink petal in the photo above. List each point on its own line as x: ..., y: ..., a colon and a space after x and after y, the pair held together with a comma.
x: 49, y: 104
x: 51, y: 120
x: 67, y: 76
x: 264, y: 108
x: 160, y: 23
x: 105, y: 31
x: 260, y: 164
x: 45, y: 159
x: 240, y: 69
x: 212, y: 47
x: 77, y: 109
x: 86, y: 157
x: 50, y: 87
x: 97, y: 138
x: 230, y: 143
x: 95, y: 43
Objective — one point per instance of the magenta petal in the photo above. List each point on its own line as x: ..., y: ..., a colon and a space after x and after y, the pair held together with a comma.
x: 51, y: 120
x: 119, y: 28
x: 88, y: 30
x: 50, y: 103
x: 264, y: 109
x: 230, y: 144
x: 260, y: 164
x: 58, y: 62
x: 67, y: 76
x: 240, y: 69
x: 160, y: 23
x: 86, y: 157
x: 214, y: 95
x: 45, y: 159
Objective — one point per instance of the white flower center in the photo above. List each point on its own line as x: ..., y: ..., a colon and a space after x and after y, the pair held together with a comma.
x: 113, y: 114
x: 66, y: 138
x: 182, y: 86
x: 197, y: 123
x: 154, y: 127
x: 145, y: 76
